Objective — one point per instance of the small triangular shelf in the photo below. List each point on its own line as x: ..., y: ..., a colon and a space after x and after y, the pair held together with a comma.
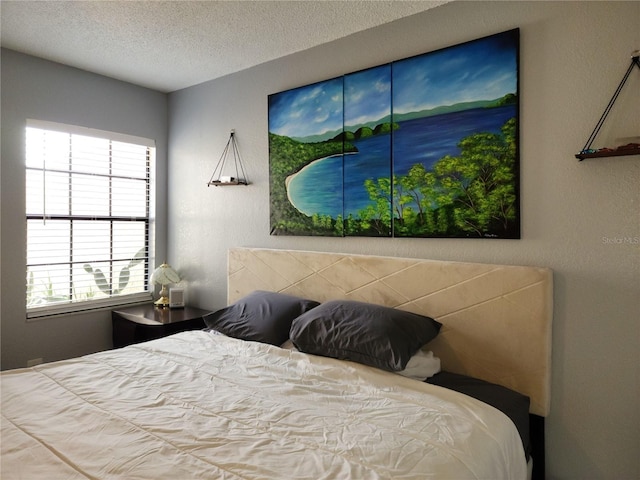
x: 217, y: 178
x: 629, y: 149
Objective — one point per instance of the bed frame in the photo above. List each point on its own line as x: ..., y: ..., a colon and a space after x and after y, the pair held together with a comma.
x: 496, y: 319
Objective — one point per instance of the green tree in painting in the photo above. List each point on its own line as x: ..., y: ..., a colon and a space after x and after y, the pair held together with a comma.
x: 470, y: 194
x: 479, y: 184
x: 377, y: 216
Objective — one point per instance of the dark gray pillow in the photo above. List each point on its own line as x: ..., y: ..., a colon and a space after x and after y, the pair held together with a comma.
x: 260, y: 316
x: 374, y: 335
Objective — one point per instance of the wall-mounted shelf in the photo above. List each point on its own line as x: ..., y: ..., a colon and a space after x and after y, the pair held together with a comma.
x: 629, y: 149
x: 219, y: 183
x: 240, y: 178
x: 632, y: 149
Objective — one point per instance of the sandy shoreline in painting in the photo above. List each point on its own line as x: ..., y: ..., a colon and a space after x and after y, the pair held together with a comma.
x: 288, y: 180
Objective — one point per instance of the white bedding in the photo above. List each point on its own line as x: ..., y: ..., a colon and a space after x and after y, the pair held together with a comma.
x: 198, y: 405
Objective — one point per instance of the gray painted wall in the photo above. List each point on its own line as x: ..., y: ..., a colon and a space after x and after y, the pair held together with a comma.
x: 37, y: 89
x: 579, y: 218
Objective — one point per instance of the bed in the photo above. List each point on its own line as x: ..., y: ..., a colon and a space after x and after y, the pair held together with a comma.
x: 240, y: 401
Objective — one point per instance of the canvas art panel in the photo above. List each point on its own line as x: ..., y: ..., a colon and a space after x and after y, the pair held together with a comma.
x: 422, y: 147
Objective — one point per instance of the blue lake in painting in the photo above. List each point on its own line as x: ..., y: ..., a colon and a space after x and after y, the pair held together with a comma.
x: 319, y: 187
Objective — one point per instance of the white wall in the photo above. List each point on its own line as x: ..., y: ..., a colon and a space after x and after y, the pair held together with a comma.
x: 575, y: 215
x: 37, y: 89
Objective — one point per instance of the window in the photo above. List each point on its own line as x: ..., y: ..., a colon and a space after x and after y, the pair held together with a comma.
x: 88, y: 218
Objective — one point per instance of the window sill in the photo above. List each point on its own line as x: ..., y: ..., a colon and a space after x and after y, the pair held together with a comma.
x: 49, y: 311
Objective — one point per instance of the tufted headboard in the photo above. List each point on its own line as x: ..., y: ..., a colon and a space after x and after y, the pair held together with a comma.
x: 496, y: 318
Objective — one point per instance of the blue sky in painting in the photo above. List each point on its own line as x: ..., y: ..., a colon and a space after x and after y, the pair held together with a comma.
x: 480, y: 70
x: 483, y: 69
x: 310, y: 110
x: 367, y: 95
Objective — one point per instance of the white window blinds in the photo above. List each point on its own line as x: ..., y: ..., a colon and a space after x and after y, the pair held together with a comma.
x: 88, y: 218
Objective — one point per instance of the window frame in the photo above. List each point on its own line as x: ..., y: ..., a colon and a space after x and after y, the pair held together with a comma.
x: 75, y: 306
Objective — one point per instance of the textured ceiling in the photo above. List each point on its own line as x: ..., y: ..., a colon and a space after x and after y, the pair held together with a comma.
x: 169, y: 45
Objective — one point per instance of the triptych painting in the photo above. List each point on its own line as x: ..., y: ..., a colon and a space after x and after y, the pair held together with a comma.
x: 421, y: 147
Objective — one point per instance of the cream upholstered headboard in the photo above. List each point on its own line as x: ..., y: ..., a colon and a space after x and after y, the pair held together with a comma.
x: 496, y: 319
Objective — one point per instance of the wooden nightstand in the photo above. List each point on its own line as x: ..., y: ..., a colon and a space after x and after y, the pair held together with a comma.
x: 147, y: 322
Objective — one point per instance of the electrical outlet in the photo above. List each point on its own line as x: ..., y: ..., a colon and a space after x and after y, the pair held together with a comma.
x: 33, y: 362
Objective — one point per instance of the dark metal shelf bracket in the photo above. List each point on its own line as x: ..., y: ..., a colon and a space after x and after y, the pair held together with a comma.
x: 635, y: 62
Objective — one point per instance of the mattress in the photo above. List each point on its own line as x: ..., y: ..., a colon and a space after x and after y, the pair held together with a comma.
x: 199, y: 405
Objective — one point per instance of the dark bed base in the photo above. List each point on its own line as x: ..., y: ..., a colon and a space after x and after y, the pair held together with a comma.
x: 536, y: 434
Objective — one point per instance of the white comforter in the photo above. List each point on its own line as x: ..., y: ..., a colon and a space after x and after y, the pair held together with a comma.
x: 198, y: 405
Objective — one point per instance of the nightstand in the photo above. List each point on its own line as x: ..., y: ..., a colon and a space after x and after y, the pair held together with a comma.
x: 147, y: 322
